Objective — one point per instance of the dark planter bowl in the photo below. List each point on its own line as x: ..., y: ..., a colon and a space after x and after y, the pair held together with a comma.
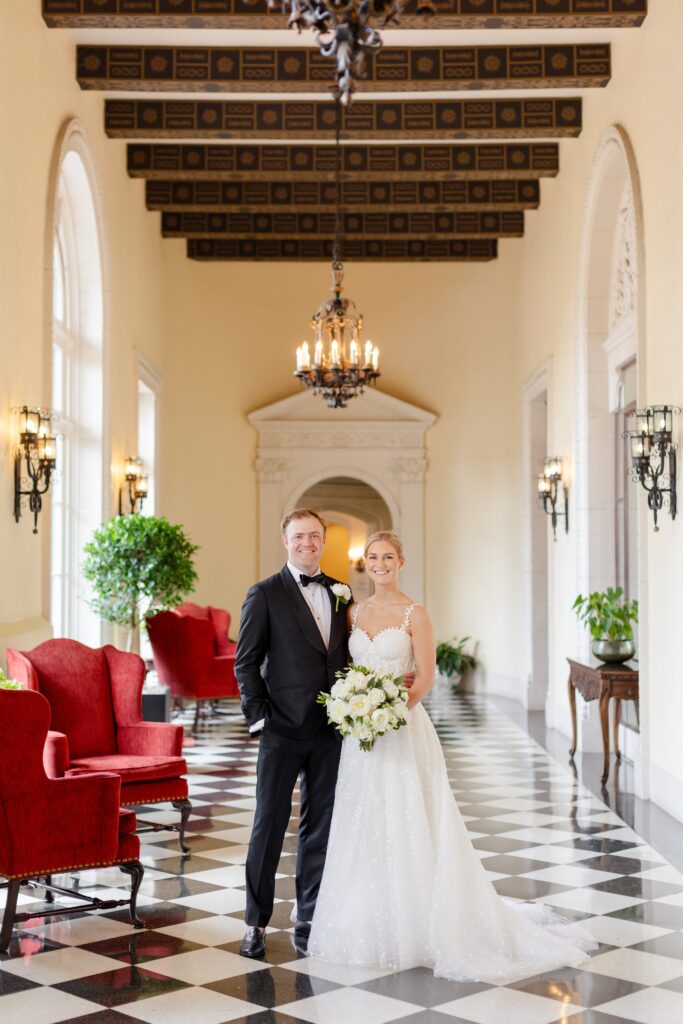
x: 614, y: 652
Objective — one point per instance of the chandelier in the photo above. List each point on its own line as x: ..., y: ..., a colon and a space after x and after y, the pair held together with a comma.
x: 344, y: 30
x: 340, y: 365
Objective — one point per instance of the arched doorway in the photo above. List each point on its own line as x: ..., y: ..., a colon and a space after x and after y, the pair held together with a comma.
x: 610, y: 378
x: 377, y: 442
x: 353, y: 510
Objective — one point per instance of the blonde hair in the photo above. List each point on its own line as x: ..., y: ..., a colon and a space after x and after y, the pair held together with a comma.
x: 302, y: 513
x: 387, y: 535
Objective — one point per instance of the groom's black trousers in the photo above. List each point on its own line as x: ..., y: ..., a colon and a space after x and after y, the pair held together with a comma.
x: 280, y: 761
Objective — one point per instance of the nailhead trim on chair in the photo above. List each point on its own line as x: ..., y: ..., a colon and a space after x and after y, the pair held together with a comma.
x: 69, y: 867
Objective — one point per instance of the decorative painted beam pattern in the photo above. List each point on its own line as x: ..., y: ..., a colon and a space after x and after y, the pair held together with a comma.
x: 256, y: 14
x: 356, y: 249
x: 269, y: 196
x: 310, y: 225
x: 285, y: 69
x: 387, y: 119
x: 372, y: 163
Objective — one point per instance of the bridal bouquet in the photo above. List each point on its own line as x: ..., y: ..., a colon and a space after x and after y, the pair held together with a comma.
x: 365, y: 704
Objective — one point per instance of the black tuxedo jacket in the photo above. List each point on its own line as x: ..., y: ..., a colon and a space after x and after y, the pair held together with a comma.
x: 281, y: 663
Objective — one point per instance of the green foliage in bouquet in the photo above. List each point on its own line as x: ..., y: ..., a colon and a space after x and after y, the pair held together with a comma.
x: 607, y: 615
x: 452, y: 659
x: 9, y: 684
x: 138, y: 566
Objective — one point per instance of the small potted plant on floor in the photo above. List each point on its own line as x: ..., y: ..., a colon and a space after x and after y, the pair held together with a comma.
x: 453, y: 661
x: 609, y: 617
x: 9, y: 684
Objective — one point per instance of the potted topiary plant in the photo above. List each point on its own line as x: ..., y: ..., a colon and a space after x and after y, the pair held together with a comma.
x: 452, y: 660
x: 138, y: 566
x: 609, y: 618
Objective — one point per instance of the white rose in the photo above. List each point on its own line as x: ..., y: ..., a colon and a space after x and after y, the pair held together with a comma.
x: 359, y: 705
x: 337, y: 710
x: 341, y: 592
x: 362, y: 731
x: 380, y: 719
x: 391, y: 689
x: 355, y: 681
x: 401, y: 712
x: 340, y: 689
x: 376, y: 696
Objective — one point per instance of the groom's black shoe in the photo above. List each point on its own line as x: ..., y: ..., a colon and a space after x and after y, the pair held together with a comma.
x: 253, y: 944
x: 302, y: 931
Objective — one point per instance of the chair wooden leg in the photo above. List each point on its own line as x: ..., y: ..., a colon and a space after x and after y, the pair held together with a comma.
x: 185, y: 808
x: 49, y: 895
x: 136, y: 872
x: 8, y: 917
x: 197, y: 712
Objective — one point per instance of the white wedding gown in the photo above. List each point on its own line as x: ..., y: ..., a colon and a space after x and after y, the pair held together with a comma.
x: 402, y: 885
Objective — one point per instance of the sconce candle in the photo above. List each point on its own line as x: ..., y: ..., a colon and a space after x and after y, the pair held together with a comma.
x: 137, y: 485
x: 653, y: 457
x: 550, y: 482
x: 36, y: 452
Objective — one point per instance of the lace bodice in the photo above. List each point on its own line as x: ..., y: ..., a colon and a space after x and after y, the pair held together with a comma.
x: 390, y: 650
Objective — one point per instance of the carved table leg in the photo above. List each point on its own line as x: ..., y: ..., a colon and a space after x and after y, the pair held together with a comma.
x: 572, y: 708
x: 604, y: 724
x: 615, y: 734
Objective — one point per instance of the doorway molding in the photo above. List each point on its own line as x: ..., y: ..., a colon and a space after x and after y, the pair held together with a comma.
x: 378, y: 439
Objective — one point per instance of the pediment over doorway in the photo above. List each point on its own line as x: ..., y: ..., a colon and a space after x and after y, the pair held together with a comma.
x: 377, y: 440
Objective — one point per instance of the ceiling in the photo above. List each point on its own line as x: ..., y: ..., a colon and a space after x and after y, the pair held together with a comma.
x: 228, y: 117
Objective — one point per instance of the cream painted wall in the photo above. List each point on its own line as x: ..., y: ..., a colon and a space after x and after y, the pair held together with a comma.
x: 447, y: 343
x: 38, y: 94
x: 644, y: 98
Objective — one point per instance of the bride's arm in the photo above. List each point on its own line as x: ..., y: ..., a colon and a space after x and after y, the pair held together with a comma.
x: 424, y: 652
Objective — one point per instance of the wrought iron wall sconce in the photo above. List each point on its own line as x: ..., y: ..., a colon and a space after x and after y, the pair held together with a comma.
x: 36, y: 455
x: 551, y: 483
x: 356, y: 559
x: 136, y: 486
x: 653, y: 457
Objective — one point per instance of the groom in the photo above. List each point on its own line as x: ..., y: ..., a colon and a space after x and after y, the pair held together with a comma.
x: 292, y: 641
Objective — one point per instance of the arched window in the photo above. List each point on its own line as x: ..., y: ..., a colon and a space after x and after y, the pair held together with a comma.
x: 77, y: 387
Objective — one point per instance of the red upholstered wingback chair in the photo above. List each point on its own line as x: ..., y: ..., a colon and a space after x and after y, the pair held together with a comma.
x: 95, y: 697
x: 218, y: 617
x: 49, y: 826
x: 184, y: 647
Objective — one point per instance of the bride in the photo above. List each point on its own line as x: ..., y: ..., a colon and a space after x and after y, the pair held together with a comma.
x: 402, y: 886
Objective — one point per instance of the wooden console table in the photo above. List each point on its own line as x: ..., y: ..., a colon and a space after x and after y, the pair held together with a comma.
x: 602, y: 682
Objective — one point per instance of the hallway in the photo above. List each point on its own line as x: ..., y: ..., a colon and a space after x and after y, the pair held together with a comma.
x: 541, y: 834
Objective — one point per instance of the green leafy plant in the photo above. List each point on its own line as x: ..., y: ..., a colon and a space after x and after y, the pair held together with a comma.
x: 607, y: 615
x: 451, y: 658
x: 138, y: 566
x: 9, y: 684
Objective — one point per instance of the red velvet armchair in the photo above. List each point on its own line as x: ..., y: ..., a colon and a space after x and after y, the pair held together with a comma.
x: 185, y: 643
x: 50, y: 826
x: 95, y: 696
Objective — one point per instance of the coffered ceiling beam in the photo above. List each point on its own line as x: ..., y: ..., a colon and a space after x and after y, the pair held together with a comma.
x: 304, y: 69
x: 510, y: 160
x: 375, y: 225
x: 378, y: 119
x: 233, y: 14
x: 320, y: 197
x: 356, y: 250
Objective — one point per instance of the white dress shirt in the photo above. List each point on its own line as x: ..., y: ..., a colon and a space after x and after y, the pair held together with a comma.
x: 317, y: 599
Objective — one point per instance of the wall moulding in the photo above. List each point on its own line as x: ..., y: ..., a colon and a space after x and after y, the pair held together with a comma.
x: 378, y: 440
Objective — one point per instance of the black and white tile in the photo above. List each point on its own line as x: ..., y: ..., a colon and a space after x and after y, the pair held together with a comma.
x: 540, y: 833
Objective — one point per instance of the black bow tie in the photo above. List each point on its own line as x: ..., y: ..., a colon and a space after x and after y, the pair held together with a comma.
x: 305, y: 580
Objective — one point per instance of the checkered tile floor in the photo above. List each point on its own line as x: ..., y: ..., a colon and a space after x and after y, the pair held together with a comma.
x: 540, y: 834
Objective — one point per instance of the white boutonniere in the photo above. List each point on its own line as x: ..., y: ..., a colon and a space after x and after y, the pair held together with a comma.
x: 342, y: 593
